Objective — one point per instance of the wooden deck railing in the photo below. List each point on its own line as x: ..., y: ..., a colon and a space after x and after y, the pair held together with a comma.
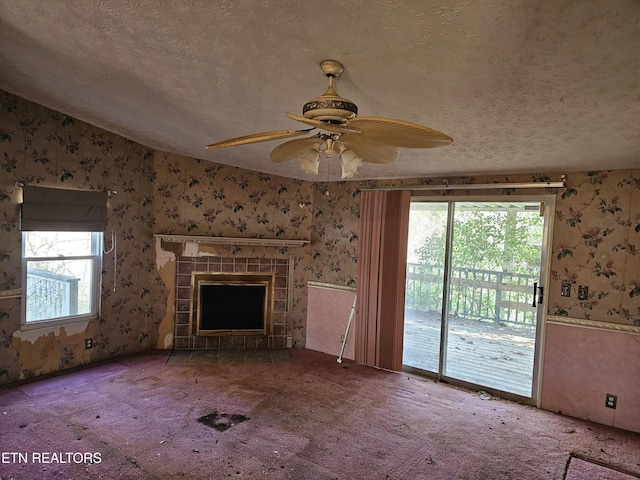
x: 50, y: 295
x: 482, y: 295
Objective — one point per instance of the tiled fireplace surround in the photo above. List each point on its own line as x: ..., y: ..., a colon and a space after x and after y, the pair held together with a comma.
x: 277, y: 338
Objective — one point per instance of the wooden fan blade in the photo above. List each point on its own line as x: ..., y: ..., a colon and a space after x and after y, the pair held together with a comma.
x: 326, y: 126
x: 293, y: 149
x: 370, y: 152
x: 398, y: 132
x: 259, y: 137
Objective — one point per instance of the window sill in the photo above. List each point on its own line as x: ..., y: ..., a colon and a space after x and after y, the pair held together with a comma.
x: 15, y: 293
x: 44, y: 324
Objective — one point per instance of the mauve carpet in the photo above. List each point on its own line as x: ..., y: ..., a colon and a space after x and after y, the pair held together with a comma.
x: 310, y: 418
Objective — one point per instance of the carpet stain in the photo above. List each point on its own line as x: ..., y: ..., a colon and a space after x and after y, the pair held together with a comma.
x: 221, y: 421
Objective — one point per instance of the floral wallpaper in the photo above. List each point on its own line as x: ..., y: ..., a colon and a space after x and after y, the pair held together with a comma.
x: 195, y: 197
x: 43, y: 147
x: 334, y: 235
x: 595, y: 241
x: 597, y: 244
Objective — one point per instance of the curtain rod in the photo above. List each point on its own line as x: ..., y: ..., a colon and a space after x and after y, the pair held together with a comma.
x: 472, y: 186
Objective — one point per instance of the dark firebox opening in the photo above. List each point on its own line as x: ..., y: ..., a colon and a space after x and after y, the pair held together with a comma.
x: 232, y: 307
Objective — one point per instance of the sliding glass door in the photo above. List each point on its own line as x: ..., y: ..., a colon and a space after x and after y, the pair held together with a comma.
x: 473, y: 287
x: 426, y: 256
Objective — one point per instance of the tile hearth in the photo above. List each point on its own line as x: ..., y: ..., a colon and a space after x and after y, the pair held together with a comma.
x: 227, y: 357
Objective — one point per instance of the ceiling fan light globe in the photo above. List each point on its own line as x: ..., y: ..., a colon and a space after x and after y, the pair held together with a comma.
x: 350, y: 163
x: 310, y: 160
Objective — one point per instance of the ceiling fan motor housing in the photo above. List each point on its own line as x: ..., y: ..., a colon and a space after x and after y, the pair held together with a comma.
x: 330, y: 107
x: 334, y: 110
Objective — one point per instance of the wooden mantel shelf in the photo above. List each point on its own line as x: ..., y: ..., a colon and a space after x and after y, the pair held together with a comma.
x: 258, y: 242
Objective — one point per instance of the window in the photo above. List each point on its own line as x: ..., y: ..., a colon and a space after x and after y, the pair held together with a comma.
x: 61, y: 272
x: 61, y: 254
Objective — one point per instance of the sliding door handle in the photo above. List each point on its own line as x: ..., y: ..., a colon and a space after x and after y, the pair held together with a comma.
x: 540, y: 294
x: 537, y: 292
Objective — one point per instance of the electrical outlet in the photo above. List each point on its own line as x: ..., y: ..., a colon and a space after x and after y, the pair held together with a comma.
x: 88, y: 343
x: 612, y: 401
x: 583, y: 292
x: 565, y: 289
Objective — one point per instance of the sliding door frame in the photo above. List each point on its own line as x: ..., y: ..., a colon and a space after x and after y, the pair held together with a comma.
x: 548, y: 203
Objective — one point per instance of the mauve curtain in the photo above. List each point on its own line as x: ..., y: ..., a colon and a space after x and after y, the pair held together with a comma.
x: 382, y: 258
x: 57, y: 210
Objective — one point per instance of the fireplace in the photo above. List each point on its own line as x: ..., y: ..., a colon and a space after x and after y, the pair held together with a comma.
x: 231, y: 303
x: 273, y: 333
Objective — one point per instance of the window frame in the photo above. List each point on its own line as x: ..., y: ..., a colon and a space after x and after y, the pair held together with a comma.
x: 96, y: 283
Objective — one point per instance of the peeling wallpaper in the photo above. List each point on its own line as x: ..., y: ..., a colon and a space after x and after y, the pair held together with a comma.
x: 595, y: 241
x: 43, y: 147
x: 195, y: 197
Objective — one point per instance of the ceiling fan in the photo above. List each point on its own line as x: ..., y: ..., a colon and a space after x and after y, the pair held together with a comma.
x: 341, y: 133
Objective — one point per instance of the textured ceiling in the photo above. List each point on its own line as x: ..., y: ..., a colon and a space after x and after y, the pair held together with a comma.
x: 521, y: 86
